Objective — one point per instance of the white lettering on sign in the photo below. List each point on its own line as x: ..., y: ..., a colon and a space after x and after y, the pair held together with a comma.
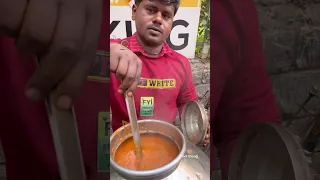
x: 183, y: 36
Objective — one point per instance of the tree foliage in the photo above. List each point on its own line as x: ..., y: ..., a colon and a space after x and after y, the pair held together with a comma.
x: 204, y: 26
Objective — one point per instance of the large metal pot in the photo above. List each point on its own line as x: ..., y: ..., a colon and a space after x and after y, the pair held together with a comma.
x: 195, y: 165
x: 268, y: 151
x: 148, y: 126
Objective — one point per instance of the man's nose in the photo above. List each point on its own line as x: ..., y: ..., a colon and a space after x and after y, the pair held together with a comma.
x: 158, y: 18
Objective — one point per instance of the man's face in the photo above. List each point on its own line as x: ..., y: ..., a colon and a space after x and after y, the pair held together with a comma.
x: 153, y: 21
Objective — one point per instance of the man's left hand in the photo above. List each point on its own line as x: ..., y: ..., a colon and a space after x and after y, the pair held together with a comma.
x: 207, y: 137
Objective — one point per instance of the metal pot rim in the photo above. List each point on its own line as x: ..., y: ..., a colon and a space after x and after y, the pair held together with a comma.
x: 164, y: 168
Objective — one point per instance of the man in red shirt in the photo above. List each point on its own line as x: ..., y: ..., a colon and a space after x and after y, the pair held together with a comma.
x: 240, y: 88
x: 66, y: 33
x: 165, y: 82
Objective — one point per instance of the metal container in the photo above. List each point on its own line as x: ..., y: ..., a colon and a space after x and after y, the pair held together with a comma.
x: 268, y: 151
x: 195, y: 165
x: 191, y: 163
x: 148, y: 126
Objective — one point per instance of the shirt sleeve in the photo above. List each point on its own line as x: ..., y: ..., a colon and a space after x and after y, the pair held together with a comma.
x: 187, y: 91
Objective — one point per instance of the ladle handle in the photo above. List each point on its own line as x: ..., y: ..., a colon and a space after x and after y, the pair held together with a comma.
x: 134, y: 123
x: 66, y: 140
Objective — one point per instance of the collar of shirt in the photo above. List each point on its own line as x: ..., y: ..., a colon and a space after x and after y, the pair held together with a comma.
x: 136, y: 47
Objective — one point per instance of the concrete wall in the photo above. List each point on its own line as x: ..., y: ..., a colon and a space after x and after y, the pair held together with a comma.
x: 201, y: 76
x: 290, y: 30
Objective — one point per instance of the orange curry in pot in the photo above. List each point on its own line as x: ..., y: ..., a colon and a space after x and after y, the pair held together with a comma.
x: 157, y: 150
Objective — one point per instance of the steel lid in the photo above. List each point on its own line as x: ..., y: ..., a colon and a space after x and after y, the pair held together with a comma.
x: 268, y: 151
x: 194, y: 122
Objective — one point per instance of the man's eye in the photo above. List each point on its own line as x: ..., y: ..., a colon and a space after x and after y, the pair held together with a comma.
x: 150, y: 10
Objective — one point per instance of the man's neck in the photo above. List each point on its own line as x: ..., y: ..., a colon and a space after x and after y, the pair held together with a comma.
x: 151, y: 50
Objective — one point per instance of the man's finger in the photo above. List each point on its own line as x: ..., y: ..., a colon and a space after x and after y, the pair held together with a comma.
x: 11, y: 16
x: 130, y: 75
x: 135, y: 83
x: 65, y: 47
x: 38, y: 26
x: 139, y: 69
x: 132, y: 88
x: 71, y: 85
x: 122, y: 68
x: 114, y: 62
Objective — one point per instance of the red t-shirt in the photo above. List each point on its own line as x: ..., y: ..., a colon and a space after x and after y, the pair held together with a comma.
x: 241, y: 92
x: 165, y: 85
x: 24, y: 126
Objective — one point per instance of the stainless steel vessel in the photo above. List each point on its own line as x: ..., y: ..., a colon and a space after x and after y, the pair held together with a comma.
x: 190, y: 164
x: 268, y: 151
x: 195, y: 165
x: 148, y: 126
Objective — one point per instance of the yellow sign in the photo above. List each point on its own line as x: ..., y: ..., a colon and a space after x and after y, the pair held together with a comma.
x: 157, y: 83
x: 183, y: 3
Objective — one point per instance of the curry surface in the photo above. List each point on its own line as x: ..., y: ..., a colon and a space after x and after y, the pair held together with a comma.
x: 157, y: 150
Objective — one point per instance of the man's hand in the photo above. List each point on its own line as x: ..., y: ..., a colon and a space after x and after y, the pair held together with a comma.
x: 64, y: 35
x: 207, y: 137
x: 127, y: 66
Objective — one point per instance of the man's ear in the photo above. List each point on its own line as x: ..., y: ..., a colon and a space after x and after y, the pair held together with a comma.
x: 134, y: 10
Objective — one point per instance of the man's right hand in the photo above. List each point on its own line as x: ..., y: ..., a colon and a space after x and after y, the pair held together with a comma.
x: 127, y: 66
x: 64, y: 35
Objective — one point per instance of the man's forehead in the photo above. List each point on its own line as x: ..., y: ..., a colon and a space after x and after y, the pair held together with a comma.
x: 157, y: 3
x: 162, y: 2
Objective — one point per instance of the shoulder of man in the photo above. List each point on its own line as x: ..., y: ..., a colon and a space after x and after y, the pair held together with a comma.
x: 181, y: 58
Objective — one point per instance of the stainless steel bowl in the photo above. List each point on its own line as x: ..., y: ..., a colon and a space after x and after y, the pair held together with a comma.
x: 148, y: 126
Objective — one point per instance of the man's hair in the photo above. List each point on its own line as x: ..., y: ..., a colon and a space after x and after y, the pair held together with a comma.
x: 175, y: 3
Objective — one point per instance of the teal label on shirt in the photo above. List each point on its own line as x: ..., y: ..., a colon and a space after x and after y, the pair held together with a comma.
x: 146, y: 106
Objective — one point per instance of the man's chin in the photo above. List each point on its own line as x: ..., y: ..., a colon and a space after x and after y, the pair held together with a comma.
x: 154, y: 40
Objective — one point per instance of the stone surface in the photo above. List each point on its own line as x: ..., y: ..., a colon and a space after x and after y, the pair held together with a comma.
x: 316, y: 162
x: 280, y: 51
x: 290, y: 30
x: 300, y: 126
x: 292, y: 89
x: 295, y: 49
x: 201, y: 76
x: 314, y: 13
